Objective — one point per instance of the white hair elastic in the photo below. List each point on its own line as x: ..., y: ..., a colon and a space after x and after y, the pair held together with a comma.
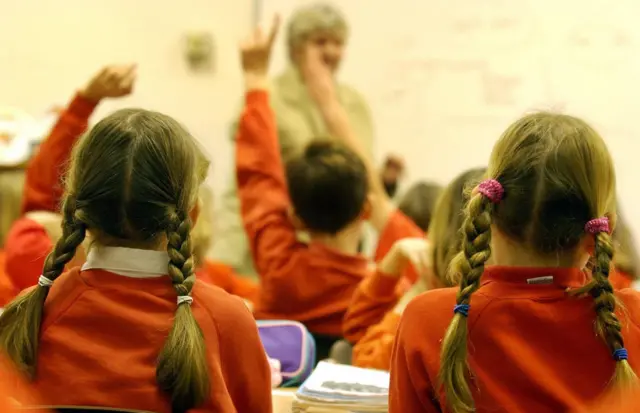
x: 185, y: 299
x: 44, y: 281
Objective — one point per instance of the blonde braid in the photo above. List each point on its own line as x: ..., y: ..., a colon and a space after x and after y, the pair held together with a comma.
x: 476, y: 252
x: 608, y: 325
x: 182, y: 365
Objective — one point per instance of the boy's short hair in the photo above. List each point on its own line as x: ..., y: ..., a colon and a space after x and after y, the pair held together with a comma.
x: 328, y: 186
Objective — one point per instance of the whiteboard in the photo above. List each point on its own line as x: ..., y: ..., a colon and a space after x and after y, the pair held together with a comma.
x: 444, y: 78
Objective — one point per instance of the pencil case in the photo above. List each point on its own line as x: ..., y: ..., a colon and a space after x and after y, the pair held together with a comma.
x: 290, y: 343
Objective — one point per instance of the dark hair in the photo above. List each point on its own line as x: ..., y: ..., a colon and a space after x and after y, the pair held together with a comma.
x: 133, y: 178
x: 419, y: 202
x: 328, y: 186
x: 557, y: 175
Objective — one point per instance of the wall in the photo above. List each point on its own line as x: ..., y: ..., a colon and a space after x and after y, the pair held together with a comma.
x: 50, y: 48
x: 443, y: 79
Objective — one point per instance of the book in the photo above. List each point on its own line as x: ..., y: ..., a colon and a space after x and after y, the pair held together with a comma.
x: 341, y: 388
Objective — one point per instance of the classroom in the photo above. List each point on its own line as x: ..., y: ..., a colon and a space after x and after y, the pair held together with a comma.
x: 315, y: 206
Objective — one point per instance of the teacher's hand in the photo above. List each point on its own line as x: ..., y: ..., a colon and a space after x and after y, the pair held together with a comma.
x: 318, y: 77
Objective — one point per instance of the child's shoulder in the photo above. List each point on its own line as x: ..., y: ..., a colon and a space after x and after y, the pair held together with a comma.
x: 432, y: 305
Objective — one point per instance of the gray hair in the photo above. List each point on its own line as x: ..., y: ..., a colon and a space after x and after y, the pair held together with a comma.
x: 314, y: 18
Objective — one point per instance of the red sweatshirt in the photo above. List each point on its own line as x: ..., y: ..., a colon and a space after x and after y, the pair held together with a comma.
x: 102, y: 333
x: 532, y: 348
x: 312, y: 283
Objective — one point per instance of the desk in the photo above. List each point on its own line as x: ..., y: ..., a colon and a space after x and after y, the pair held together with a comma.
x: 282, y: 399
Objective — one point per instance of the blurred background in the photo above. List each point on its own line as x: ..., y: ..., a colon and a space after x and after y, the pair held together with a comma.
x: 443, y: 78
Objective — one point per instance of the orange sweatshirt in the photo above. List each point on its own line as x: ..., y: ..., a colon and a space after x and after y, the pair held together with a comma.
x: 375, y: 296
x: 311, y: 283
x: 102, y: 334
x: 28, y: 242
x: 532, y: 348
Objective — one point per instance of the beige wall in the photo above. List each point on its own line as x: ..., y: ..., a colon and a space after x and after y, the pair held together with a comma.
x: 51, y: 47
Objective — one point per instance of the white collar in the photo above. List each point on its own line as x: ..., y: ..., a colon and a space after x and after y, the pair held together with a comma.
x: 129, y: 262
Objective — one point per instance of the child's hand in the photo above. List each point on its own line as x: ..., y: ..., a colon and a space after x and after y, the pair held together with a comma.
x: 318, y: 77
x: 414, y: 251
x: 111, y: 82
x: 255, y: 54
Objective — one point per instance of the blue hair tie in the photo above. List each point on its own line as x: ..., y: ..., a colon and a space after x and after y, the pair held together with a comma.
x: 462, y: 309
x: 620, y: 354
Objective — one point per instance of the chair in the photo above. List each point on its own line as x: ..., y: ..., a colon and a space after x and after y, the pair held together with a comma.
x: 341, y: 352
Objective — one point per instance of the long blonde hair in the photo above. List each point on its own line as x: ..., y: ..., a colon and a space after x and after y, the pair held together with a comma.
x: 133, y: 181
x: 557, y: 175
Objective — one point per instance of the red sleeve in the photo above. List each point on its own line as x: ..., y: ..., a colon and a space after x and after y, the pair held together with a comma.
x: 43, y: 185
x: 263, y: 193
x: 373, y: 351
x: 375, y: 296
x: 398, y: 226
x: 410, y: 387
x: 26, y: 248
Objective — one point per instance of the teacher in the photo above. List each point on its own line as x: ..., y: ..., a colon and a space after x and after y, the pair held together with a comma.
x: 299, y: 120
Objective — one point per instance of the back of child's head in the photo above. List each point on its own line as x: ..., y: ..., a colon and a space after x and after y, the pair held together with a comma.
x: 11, y: 187
x: 419, y: 202
x: 626, y: 259
x: 133, y: 181
x: 444, y: 231
x: 328, y: 186
x: 548, y: 176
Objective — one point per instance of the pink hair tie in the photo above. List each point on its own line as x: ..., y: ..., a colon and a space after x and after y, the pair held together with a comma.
x: 492, y: 189
x: 598, y: 225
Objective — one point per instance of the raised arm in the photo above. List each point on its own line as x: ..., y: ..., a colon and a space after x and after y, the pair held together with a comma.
x: 262, y: 187
x: 379, y: 294
x: 321, y: 86
x: 43, y: 184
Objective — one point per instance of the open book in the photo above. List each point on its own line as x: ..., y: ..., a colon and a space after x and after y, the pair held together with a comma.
x: 341, y: 388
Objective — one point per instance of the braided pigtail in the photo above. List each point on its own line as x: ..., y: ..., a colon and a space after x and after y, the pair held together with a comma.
x: 20, y: 322
x: 608, y: 325
x: 476, y: 250
x: 182, y: 364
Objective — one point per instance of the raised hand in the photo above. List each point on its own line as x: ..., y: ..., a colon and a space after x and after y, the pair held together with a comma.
x: 112, y: 81
x: 414, y: 251
x: 255, y: 53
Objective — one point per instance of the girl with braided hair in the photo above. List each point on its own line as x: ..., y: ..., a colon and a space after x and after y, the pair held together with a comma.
x: 133, y: 328
x: 535, y: 331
